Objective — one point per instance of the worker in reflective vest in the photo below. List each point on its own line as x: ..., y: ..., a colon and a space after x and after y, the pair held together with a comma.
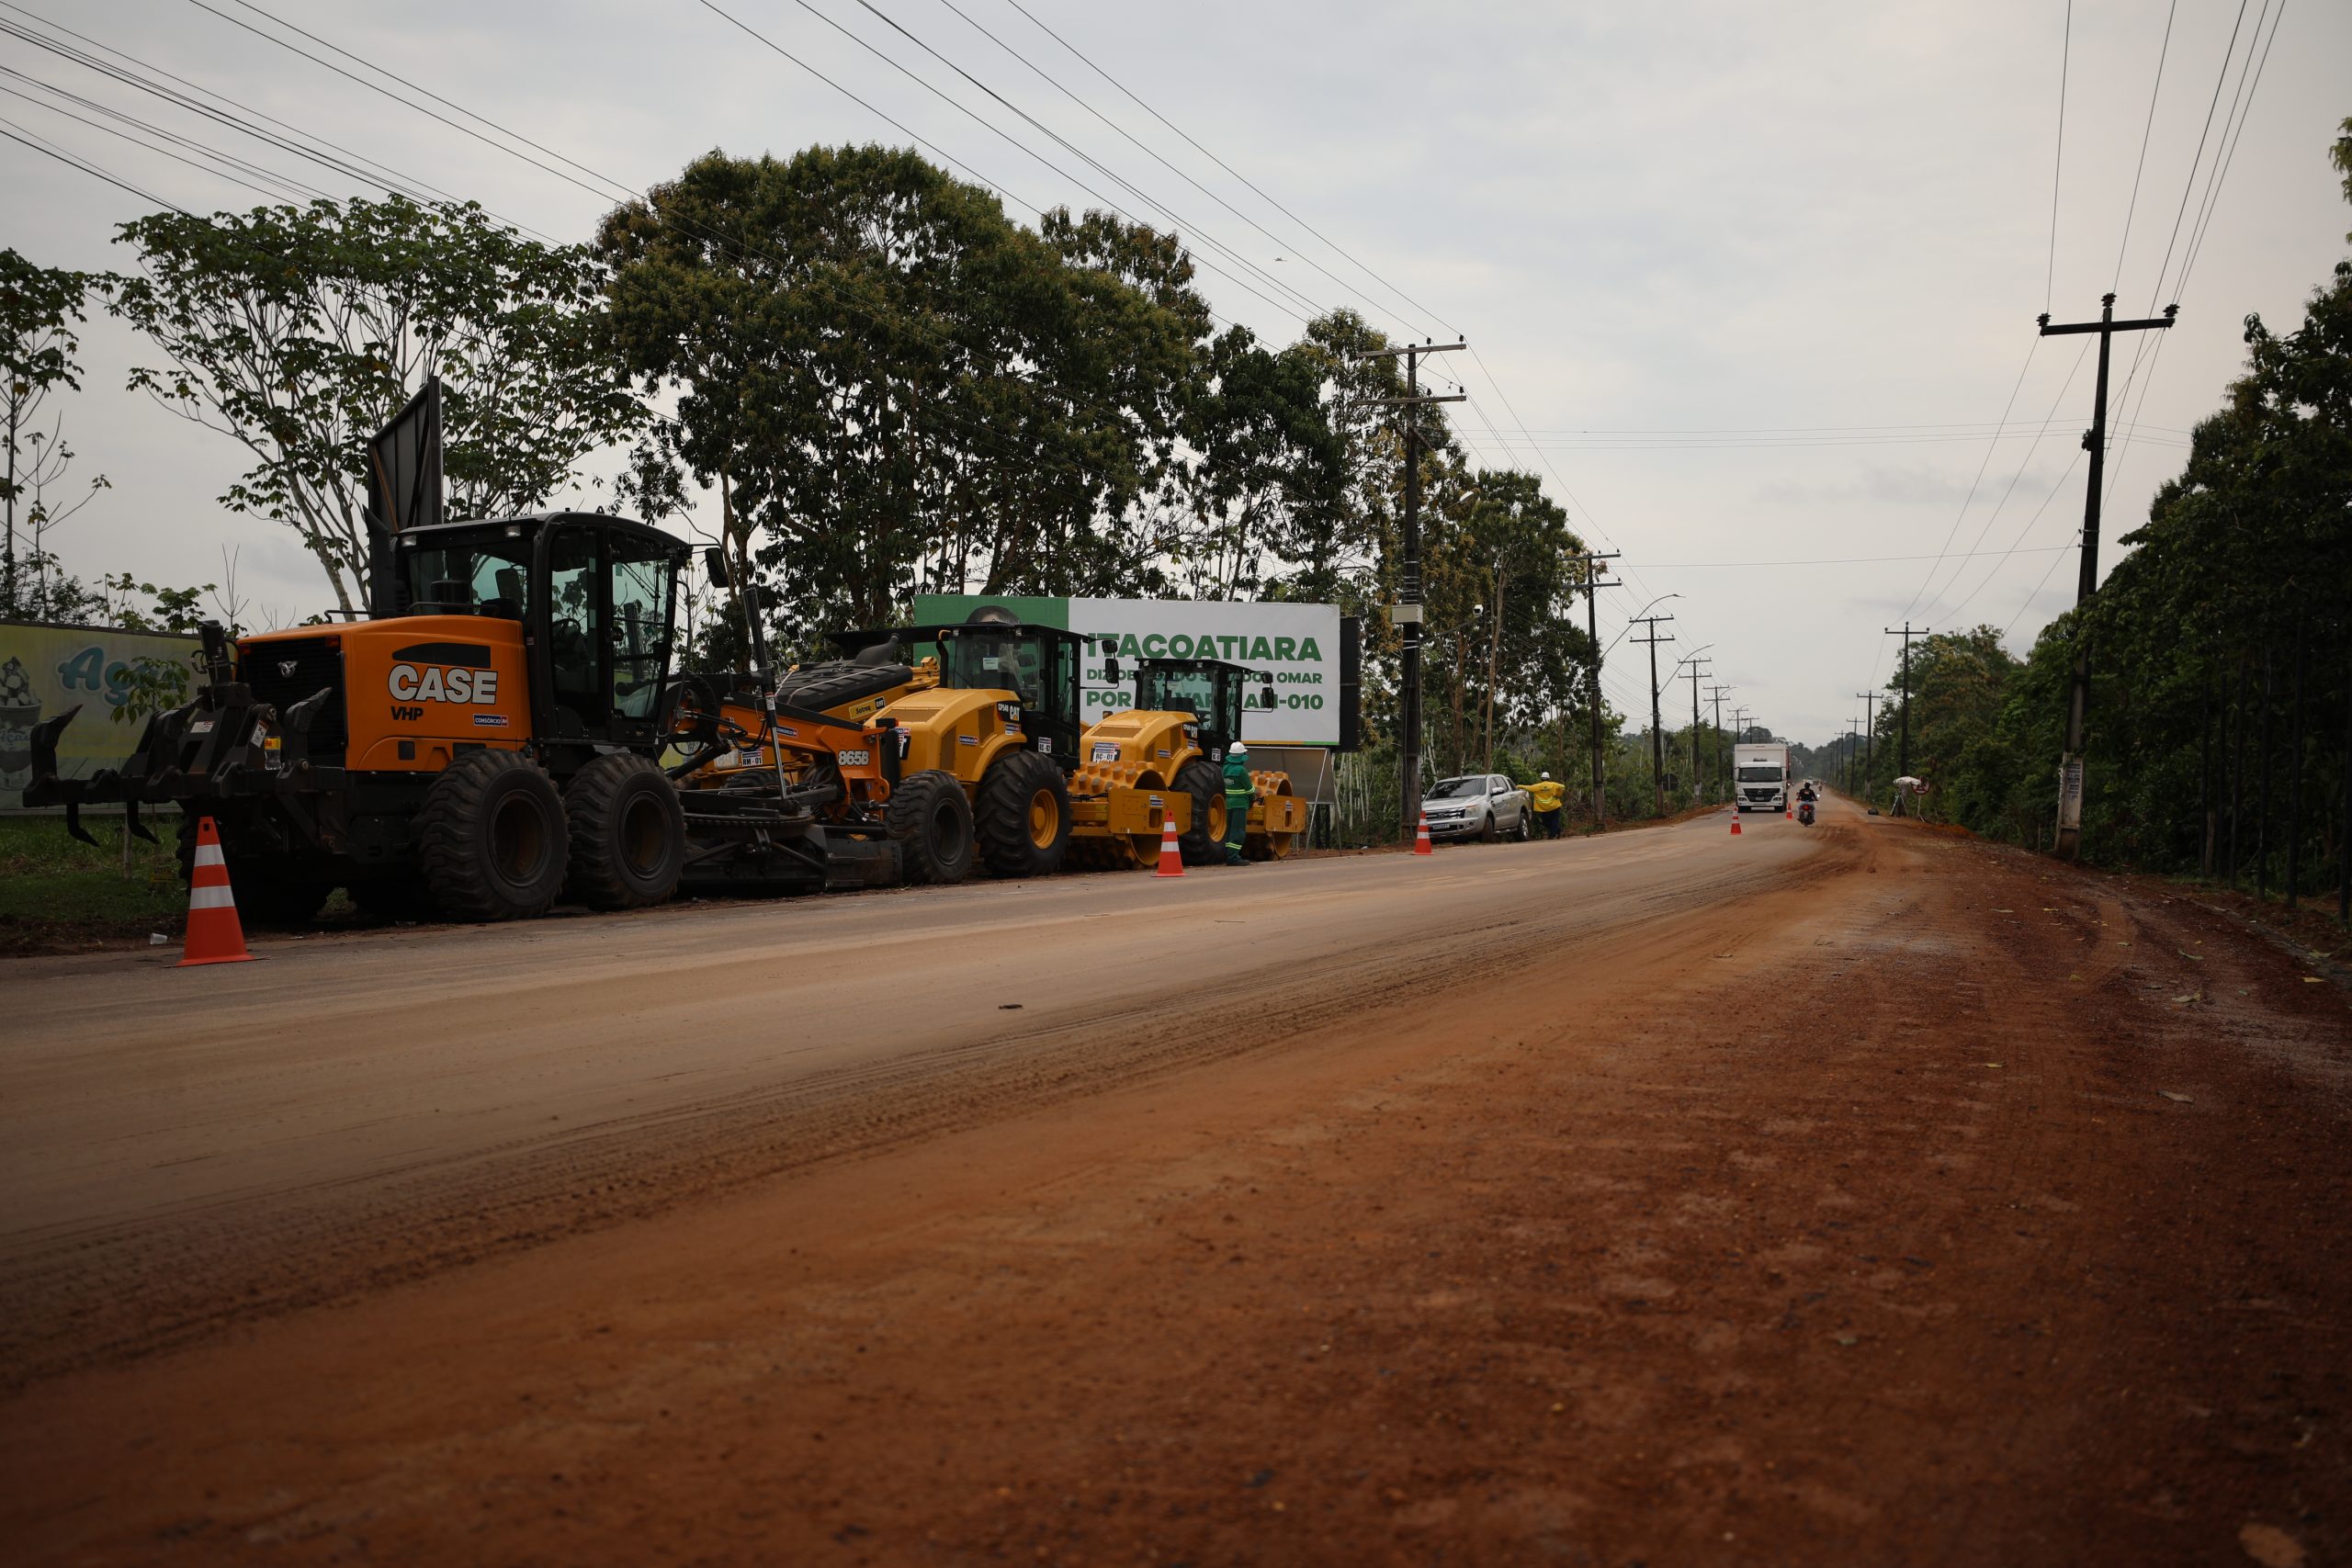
x: 1239, y: 791
x: 1547, y: 794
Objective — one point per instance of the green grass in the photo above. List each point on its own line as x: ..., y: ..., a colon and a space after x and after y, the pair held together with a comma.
x: 56, y: 891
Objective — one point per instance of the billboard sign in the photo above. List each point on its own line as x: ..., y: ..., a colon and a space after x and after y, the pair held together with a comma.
x: 44, y: 670
x: 1298, y: 647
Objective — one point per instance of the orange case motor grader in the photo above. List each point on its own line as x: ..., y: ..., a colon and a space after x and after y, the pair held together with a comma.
x: 489, y: 747
x: 1187, y: 712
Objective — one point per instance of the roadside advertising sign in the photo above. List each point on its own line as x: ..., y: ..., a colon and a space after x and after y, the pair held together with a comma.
x: 1299, y: 647
x: 44, y: 670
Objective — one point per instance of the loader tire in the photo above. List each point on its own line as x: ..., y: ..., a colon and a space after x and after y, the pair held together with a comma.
x: 627, y: 833
x: 269, y: 892
x: 931, y: 822
x: 1203, y: 842
x: 1022, y: 814
x: 490, y: 839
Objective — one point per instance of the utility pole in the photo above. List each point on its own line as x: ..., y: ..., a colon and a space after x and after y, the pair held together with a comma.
x: 1870, y: 732
x: 1594, y: 565
x: 1407, y: 611
x: 1658, y: 740
x: 1854, y: 733
x: 1695, y: 674
x: 2070, y: 764
x: 1903, y: 755
x: 1721, y: 751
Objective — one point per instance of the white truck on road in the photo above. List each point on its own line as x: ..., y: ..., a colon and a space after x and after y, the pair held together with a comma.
x: 1760, y: 775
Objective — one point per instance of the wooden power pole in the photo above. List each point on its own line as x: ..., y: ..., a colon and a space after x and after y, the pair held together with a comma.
x: 2070, y: 764
x: 1407, y: 611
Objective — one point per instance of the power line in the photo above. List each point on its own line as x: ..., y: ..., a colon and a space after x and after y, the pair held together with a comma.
x: 1174, y: 219
x: 1994, y: 515
x: 1154, y: 154
x: 2057, y: 168
x: 1229, y: 169
x: 2145, y: 130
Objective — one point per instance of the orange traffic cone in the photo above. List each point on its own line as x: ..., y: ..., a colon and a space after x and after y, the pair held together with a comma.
x: 1421, y: 837
x: 214, y: 934
x: 1734, y: 822
x: 1171, y: 854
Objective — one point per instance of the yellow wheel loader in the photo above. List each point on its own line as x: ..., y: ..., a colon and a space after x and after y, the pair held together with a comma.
x: 989, y: 727
x: 1187, y: 712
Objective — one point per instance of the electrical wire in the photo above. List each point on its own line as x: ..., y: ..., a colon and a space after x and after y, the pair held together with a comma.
x: 1229, y: 169
x: 2145, y: 130
x: 2058, y: 159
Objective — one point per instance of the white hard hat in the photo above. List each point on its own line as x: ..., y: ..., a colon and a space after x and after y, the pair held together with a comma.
x: 1546, y: 775
x: 1236, y: 749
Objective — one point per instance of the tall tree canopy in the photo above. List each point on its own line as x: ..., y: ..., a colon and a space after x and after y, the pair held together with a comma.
x: 299, y: 331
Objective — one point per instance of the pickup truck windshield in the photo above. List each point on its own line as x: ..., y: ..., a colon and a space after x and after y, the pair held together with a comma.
x: 1754, y: 775
x: 1458, y: 789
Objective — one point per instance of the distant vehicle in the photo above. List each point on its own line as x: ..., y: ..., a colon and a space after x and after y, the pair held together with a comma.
x: 1760, y: 775
x: 1482, y: 805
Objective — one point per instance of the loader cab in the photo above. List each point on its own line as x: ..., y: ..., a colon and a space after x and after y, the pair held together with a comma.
x: 1212, y: 689
x: 1039, y: 665
x: 592, y: 596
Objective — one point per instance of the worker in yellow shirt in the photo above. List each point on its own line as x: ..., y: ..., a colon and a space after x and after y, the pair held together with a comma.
x: 1545, y: 794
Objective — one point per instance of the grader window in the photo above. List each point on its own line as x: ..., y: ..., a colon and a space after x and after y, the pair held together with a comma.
x: 473, y: 574
x: 640, y: 629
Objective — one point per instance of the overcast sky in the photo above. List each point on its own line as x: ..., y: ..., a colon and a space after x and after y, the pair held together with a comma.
x: 1757, y: 279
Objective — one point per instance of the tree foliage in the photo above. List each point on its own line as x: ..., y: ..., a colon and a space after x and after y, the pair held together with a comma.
x: 39, y: 308
x: 2231, y: 613
x: 300, y: 331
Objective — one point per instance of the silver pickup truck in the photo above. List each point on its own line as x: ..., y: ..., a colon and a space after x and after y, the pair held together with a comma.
x: 1482, y: 805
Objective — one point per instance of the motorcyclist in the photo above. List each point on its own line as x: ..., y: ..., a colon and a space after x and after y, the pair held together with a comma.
x: 1241, y: 790
x: 1805, y: 798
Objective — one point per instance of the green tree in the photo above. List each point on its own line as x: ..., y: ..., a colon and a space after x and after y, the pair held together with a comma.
x: 299, y: 331
x: 38, y: 309
x: 897, y: 389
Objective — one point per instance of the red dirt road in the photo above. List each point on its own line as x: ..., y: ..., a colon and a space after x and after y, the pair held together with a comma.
x: 1882, y: 1197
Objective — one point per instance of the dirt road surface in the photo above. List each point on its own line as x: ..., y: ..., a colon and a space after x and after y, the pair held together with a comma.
x: 1858, y: 1194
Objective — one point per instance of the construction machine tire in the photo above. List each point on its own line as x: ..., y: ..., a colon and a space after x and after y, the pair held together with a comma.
x: 839, y: 682
x: 268, y: 892
x: 1203, y: 842
x: 491, y: 840
x: 1022, y: 812
x: 931, y: 822
x: 627, y: 833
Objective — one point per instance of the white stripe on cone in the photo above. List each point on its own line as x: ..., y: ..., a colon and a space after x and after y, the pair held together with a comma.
x: 209, y: 854
x: 211, y: 897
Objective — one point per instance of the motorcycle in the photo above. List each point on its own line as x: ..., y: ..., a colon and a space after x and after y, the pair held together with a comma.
x: 1805, y: 812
